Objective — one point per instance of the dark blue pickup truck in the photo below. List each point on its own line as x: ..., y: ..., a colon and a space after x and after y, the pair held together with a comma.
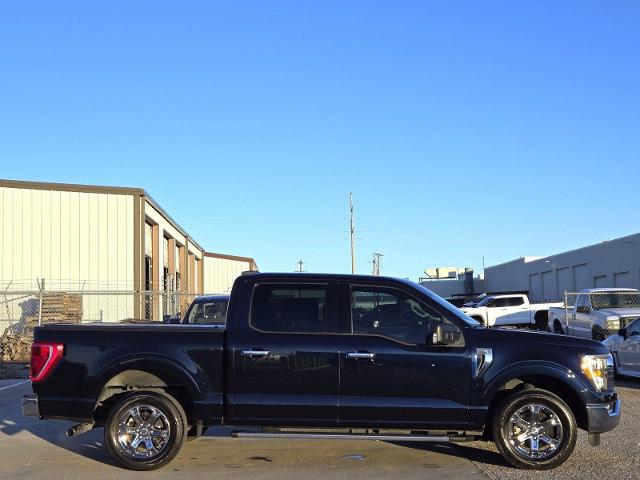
x: 325, y: 356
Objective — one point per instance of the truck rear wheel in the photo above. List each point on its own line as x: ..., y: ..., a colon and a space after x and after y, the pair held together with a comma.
x: 145, y: 430
x: 535, y: 429
x: 542, y: 321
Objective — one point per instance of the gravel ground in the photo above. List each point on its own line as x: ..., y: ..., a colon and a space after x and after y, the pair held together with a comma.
x: 617, y: 457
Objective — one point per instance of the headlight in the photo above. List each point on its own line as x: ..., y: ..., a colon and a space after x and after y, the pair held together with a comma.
x: 595, y: 368
x: 613, y: 323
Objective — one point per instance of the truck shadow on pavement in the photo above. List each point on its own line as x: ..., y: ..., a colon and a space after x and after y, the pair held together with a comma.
x: 14, y: 426
x: 460, y: 450
x: 90, y: 445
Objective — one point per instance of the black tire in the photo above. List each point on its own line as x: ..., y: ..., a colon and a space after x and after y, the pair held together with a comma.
x: 172, y: 422
x: 598, y: 333
x: 542, y: 321
x: 557, y: 327
x: 563, y: 430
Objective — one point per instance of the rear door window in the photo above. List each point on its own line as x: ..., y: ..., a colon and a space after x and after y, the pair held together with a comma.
x: 290, y: 309
x: 499, y: 302
x: 516, y: 301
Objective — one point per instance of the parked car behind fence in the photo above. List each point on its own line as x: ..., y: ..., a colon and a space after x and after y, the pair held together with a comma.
x: 595, y: 313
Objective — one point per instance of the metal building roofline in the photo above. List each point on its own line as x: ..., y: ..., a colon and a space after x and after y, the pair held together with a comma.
x: 72, y: 187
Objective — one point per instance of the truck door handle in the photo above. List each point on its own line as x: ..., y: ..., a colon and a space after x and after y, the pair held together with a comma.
x: 255, y: 353
x: 361, y: 355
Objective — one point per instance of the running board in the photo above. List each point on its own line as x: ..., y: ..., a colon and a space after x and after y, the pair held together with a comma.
x: 345, y: 436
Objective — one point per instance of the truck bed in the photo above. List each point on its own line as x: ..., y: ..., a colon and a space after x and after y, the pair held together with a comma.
x: 96, y: 353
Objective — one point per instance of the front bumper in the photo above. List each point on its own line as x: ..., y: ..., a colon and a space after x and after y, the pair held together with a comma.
x: 603, y: 417
x: 30, y: 407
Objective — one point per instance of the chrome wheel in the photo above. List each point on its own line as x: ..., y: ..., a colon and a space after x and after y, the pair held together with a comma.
x: 143, y: 431
x: 535, y: 431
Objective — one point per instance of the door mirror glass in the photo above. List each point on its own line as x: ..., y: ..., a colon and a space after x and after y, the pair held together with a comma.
x: 445, y: 334
x: 623, y: 332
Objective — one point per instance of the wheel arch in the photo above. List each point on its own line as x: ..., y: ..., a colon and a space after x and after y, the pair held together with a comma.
x: 153, y: 373
x: 553, y: 378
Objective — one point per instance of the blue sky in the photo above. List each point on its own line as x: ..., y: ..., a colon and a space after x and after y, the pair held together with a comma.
x: 464, y: 129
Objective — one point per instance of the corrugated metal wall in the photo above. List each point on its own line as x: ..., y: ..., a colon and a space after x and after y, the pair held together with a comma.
x: 72, y: 240
x: 68, y: 238
x: 608, y: 264
x: 220, y: 273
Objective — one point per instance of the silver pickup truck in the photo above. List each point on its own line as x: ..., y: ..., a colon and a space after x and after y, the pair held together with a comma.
x: 596, y: 313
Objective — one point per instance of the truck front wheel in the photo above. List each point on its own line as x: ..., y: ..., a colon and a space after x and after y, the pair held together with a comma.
x: 145, y: 430
x: 535, y: 429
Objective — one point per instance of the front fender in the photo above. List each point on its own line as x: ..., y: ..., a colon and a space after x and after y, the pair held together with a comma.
x: 490, y: 385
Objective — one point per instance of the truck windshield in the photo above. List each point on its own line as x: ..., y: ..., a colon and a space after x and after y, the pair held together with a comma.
x: 630, y: 299
x: 209, y: 313
x: 484, y: 302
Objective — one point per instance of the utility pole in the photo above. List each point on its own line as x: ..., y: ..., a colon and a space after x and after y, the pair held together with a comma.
x: 376, y: 263
x: 352, y: 229
x: 300, y: 263
x: 484, y: 276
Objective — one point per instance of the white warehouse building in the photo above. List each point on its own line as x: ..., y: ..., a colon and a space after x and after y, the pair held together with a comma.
x: 97, y: 238
x: 613, y: 263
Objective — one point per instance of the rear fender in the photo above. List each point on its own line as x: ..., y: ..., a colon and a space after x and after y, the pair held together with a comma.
x: 161, y: 372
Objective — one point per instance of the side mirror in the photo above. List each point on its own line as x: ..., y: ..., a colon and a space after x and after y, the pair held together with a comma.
x: 623, y: 333
x: 436, y: 337
x: 582, y: 309
x: 444, y: 334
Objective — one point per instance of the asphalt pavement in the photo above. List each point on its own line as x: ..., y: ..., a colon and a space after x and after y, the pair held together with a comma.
x: 34, y: 449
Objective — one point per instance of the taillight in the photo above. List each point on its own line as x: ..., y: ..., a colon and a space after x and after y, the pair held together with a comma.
x: 44, y: 357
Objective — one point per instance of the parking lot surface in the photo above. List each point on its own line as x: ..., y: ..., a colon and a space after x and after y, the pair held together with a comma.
x: 36, y: 449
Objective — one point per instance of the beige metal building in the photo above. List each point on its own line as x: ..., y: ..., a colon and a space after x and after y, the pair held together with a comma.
x: 95, y: 238
x: 613, y: 263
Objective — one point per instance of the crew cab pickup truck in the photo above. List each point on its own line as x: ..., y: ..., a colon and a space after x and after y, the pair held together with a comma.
x: 500, y: 310
x: 207, y: 310
x: 597, y: 313
x: 325, y: 356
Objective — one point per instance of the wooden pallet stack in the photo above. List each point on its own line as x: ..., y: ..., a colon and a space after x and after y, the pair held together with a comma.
x: 15, y: 348
x: 58, y: 308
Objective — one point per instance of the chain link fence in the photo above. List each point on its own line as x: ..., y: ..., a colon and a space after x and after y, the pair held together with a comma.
x: 598, y: 314
x: 22, y: 310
